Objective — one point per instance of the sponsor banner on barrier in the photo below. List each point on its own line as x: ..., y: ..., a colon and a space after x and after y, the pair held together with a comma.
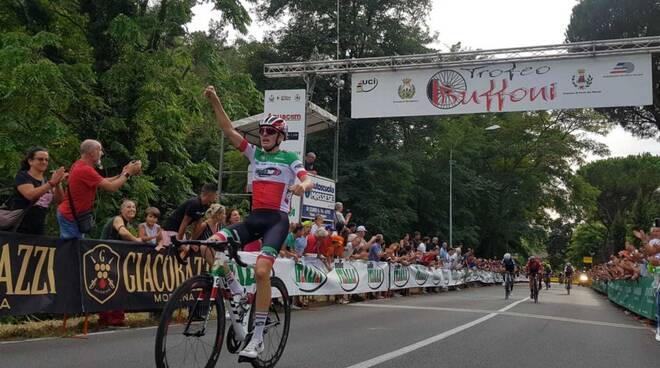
x: 49, y: 275
x: 311, y: 276
x: 38, y: 275
x: 586, y: 82
x: 129, y: 276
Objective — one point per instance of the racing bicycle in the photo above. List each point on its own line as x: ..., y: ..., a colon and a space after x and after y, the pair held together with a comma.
x: 191, y: 331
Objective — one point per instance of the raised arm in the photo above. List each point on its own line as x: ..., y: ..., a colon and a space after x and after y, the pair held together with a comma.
x: 224, y: 123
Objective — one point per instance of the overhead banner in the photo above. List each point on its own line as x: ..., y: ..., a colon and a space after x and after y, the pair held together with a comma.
x: 320, y: 200
x: 607, y: 81
x: 289, y: 104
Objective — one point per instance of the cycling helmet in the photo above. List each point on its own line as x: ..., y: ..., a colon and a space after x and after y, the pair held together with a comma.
x: 276, y: 122
x: 568, y: 263
x: 507, y: 256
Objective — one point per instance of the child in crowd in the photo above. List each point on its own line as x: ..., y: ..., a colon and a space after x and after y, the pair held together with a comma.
x: 149, y: 231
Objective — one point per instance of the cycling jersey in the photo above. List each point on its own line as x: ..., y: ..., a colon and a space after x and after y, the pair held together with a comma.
x: 534, y: 266
x: 509, y: 265
x: 272, y: 175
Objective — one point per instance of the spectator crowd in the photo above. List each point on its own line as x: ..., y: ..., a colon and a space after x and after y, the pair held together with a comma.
x: 631, y: 263
x: 200, y: 217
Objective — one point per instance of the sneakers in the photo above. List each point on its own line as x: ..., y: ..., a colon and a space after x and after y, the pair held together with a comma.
x: 252, y: 350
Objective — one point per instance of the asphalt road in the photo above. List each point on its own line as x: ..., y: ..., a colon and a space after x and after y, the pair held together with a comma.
x: 471, y: 328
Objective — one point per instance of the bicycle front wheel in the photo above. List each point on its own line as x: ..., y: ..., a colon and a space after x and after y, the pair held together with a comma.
x: 192, y: 326
x: 276, y: 331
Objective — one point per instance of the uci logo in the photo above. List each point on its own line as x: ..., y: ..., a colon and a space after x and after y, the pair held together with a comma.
x: 367, y: 85
x: 101, y: 273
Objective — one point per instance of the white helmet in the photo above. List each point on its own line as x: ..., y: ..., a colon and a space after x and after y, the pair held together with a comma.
x: 276, y: 123
x: 507, y: 256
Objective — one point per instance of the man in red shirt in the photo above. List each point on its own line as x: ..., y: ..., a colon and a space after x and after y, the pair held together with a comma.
x: 83, y: 181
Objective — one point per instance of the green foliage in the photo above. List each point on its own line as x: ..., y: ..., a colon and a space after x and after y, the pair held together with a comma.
x: 126, y: 73
x: 587, y: 239
x: 611, y: 19
x: 620, y: 194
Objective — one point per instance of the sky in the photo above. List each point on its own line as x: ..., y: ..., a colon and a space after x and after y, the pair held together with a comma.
x: 488, y: 24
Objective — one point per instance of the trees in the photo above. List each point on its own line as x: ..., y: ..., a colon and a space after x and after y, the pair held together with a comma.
x: 124, y: 72
x: 622, y: 194
x: 610, y: 19
x: 393, y: 173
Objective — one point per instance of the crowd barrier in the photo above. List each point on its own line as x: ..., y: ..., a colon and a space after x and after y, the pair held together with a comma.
x: 50, y: 275
x: 636, y: 296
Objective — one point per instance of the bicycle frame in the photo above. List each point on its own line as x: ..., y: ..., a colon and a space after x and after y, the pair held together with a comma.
x: 221, y: 287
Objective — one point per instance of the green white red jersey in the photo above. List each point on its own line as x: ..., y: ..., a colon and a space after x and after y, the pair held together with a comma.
x: 272, y: 174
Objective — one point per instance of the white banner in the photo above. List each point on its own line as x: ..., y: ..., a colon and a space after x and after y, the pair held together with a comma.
x: 607, y: 81
x: 310, y: 276
x: 319, y: 200
x: 289, y: 104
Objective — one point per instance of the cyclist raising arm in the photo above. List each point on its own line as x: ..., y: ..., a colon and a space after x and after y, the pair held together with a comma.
x: 274, y: 173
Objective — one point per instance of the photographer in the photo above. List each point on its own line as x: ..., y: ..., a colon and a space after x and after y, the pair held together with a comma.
x: 74, y: 214
x: 340, y: 220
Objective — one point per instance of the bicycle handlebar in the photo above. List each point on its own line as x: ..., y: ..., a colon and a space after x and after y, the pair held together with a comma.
x: 230, y: 245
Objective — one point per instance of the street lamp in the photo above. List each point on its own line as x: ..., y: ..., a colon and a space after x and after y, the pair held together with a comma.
x: 491, y: 128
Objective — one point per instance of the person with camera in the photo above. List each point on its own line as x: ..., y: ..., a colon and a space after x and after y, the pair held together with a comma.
x: 340, y: 220
x: 34, y: 192
x: 74, y: 214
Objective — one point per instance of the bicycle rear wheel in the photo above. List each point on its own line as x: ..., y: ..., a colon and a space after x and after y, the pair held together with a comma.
x: 276, y: 331
x: 186, y: 336
x: 536, y: 290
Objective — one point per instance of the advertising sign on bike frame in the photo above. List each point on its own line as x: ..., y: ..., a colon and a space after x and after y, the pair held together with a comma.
x: 603, y: 81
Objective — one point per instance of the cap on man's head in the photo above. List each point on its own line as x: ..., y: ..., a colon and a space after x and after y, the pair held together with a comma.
x: 307, y: 223
x: 361, y: 228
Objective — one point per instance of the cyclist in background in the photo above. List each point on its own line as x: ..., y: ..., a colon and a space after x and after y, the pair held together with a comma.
x: 509, y: 267
x: 568, y: 274
x: 533, y: 269
x: 547, y: 273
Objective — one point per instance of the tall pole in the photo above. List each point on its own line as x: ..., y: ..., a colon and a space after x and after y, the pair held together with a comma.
x: 451, y: 207
x: 222, y: 162
x: 335, y: 154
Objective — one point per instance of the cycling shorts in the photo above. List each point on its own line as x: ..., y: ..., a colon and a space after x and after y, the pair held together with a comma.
x: 269, y: 225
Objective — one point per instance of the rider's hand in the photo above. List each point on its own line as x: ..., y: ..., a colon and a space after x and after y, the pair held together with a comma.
x: 211, y: 95
x: 297, y: 189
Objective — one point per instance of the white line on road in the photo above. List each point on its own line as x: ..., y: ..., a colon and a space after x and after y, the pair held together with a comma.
x: 433, y: 339
x: 513, y: 314
x: 81, y: 336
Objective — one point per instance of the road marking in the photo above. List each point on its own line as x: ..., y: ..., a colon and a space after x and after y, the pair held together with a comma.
x: 80, y: 335
x: 513, y: 314
x: 431, y: 340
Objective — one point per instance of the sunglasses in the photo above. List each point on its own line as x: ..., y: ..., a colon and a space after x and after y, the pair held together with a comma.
x: 268, y: 131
